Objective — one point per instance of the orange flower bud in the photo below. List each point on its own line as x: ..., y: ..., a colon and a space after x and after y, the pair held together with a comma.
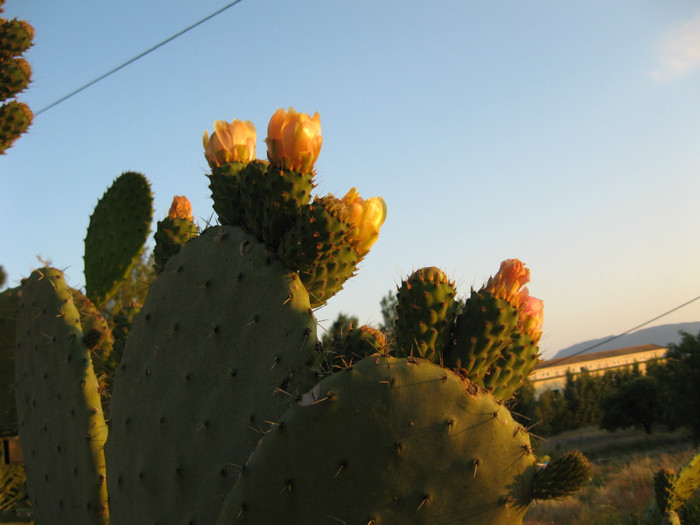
x: 365, y: 218
x: 181, y: 209
x: 294, y: 140
x: 234, y: 142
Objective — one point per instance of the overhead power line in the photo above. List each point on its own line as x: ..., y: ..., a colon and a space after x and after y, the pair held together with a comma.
x: 134, y: 59
x: 601, y: 343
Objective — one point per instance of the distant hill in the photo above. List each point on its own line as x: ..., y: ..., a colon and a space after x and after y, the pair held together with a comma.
x: 659, y: 335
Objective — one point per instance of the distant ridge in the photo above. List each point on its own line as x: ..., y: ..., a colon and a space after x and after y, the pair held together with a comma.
x: 659, y: 335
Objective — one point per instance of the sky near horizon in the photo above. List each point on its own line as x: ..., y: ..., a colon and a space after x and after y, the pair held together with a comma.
x: 565, y: 134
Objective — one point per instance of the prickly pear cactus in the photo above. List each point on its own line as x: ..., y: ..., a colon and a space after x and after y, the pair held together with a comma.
x: 388, y: 441
x: 61, y: 425
x: 224, y: 343
x: 118, y: 229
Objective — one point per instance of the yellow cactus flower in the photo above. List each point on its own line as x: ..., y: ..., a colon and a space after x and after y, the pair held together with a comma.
x: 530, y: 315
x: 234, y: 142
x: 365, y: 218
x: 294, y: 140
x: 181, y: 208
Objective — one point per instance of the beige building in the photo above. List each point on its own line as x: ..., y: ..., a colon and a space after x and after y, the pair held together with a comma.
x: 551, y: 374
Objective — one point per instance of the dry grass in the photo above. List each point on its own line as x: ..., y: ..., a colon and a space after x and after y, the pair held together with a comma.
x: 624, y: 464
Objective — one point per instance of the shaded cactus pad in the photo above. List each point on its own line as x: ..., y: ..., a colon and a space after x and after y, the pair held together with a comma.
x: 217, y: 352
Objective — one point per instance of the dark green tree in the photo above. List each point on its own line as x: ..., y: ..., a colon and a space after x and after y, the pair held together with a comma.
x: 388, y: 306
x: 679, y: 377
x: 3, y: 277
x: 635, y: 404
x: 552, y: 413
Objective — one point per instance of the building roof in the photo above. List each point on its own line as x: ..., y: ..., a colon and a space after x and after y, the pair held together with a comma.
x: 593, y: 356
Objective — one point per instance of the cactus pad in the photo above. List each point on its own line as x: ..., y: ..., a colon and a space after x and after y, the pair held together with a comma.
x: 388, y: 441
x: 218, y: 350
x: 61, y: 424
x: 118, y: 229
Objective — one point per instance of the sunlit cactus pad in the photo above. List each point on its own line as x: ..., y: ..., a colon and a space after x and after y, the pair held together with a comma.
x: 388, y: 441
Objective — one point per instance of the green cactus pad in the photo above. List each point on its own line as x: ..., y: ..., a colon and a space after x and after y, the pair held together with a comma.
x: 425, y: 313
x: 482, y: 330
x: 225, y: 185
x: 15, y: 74
x: 170, y: 235
x: 224, y: 343
x: 388, y: 441
x: 118, y: 229
x: 562, y: 476
x: 61, y: 424
x: 9, y: 303
x: 15, y: 119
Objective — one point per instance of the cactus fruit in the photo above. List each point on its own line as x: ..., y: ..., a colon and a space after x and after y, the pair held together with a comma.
x: 425, y: 312
x: 284, y: 195
x: 173, y: 231
x: 15, y: 37
x: 482, y: 331
x: 562, y: 476
x: 356, y: 344
x: 61, y: 423
x: 14, y: 76
x: 224, y: 343
x: 118, y: 229
x: 15, y: 119
x: 225, y: 183
x: 9, y: 303
x: 391, y: 441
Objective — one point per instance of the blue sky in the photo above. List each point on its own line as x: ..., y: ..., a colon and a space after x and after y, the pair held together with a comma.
x: 566, y: 134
